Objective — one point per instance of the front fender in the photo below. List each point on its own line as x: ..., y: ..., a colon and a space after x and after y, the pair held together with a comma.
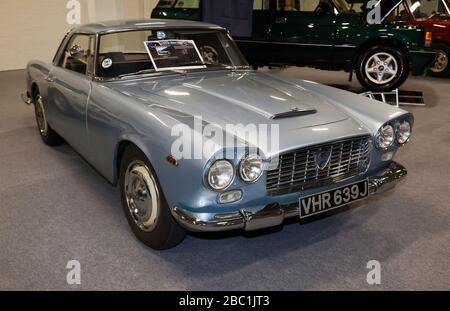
x: 368, y: 112
x: 36, y: 73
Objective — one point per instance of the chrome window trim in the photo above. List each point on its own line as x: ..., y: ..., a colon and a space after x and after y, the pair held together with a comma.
x: 63, y: 46
x: 98, y: 35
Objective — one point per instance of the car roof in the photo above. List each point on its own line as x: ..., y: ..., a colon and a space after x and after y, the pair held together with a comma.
x: 123, y: 25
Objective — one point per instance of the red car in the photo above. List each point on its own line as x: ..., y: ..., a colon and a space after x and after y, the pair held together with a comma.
x: 434, y: 15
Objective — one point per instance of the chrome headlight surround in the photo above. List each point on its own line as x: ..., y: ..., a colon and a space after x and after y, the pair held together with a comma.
x: 385, y: 137
x: 251, y: 168
x: 223, y: 168
x: 403, y: 132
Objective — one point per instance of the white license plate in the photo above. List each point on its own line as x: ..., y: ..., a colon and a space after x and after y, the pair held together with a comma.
x: 332, y: 199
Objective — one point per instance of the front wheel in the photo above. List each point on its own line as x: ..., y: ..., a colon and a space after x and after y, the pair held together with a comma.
x: 48, y: 135
x: 382, y: 69
x: 441, y: 66
x: 144, y: 204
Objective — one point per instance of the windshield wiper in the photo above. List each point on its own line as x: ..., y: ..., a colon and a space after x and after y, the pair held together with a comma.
x: 140, y: 72
x: 220, y: 65
x: 145, y: 71
x: 194, y: 63
x: 242, y: 67
x: 180, y: 71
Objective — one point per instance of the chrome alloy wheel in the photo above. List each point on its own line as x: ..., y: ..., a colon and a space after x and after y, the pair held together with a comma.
x: 41, y: 116
x: 142, y: 195
x: 381, y: 68
x: 441, y: 62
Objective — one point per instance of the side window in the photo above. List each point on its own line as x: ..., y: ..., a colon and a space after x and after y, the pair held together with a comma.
x: 188, y: 4
x: 423, y: 9
x: 323, y: 6
x: 288, y: 5
x: 79, y: 54
x: 261, y: 5
x: 184, y: 4
x: 400, y: 14
x: 319, y: 6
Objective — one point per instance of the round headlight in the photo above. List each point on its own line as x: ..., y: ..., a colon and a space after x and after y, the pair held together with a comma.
x: 220, y: 175
x: 385, y: 136
x: 251, y: 168
x: 403, y: 132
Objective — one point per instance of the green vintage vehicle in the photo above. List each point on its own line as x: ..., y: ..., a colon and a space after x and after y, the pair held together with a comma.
x: 324, y: 34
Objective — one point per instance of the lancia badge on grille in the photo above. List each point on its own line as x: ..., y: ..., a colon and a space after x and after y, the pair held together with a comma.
x: 322, y: 158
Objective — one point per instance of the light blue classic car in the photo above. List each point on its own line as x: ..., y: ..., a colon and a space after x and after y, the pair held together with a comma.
x: 138, y: 99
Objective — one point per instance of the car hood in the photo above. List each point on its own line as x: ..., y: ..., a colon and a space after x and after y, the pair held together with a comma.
x: 234, y: 98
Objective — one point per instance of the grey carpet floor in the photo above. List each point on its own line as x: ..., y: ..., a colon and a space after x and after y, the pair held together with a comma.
x: 54, y: 208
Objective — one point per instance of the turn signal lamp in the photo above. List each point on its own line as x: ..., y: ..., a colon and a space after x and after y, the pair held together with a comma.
x: 428, y: 38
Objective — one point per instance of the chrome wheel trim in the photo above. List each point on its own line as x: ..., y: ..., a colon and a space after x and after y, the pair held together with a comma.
x: 142, y: 195
x: 441, y: 62
x: 41, y: 116
x: 381, y: 68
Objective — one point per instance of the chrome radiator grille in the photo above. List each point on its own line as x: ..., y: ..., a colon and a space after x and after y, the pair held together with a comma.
x: 299, y: 169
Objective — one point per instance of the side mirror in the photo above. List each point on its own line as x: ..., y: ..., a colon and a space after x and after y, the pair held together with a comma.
x: 77, y: 51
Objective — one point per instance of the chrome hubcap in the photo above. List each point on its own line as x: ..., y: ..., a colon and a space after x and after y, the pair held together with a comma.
x: 381, y: 68
x: 441, y: 62
x: 142, y: 195
x: 41, y: 116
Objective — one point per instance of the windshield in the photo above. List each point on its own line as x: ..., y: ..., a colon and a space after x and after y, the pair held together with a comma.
x: 420, y: 9
x: 145, y: 51
x: 427, y: 8
x: 194, y: 4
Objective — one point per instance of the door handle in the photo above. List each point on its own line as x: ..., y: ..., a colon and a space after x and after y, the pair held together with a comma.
x: 49, y: 80
x: 280, y: 20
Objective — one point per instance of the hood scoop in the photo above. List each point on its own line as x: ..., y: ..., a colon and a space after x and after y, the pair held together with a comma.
x: 294, y: 112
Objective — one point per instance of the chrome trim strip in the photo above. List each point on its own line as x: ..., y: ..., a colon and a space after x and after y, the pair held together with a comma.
x: 345, y: 46
x: 296, y: 43
x: 156, y: 27
x: 423, y: 52
x: 252, y: 41
x: 307, y: 44
x: 274, y: 214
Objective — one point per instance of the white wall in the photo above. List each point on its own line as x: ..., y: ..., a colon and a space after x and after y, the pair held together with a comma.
x: 33, y: 29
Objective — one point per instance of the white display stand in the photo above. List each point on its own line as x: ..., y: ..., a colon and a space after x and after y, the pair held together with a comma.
x: 397, y: 97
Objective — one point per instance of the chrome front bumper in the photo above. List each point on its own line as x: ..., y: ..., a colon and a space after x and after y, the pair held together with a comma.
x: 274, y: 214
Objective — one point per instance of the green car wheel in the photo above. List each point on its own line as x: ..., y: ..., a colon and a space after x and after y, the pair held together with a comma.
x: 382, y: 69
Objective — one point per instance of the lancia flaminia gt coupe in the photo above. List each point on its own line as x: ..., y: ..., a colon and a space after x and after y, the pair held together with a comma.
x: 134, y: 98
